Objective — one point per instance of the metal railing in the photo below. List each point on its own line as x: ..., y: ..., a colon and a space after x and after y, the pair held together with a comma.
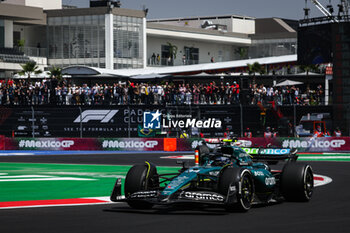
x: 34, y: 52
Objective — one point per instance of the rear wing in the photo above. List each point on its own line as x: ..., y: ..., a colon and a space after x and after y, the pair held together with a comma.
x: 225, y: 141
x: 272, y: 154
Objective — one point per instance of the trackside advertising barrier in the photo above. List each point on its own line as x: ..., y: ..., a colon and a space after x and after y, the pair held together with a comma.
x: 327, y: 144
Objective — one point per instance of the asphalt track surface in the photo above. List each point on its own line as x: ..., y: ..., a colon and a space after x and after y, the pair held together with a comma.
x: 328, y: 211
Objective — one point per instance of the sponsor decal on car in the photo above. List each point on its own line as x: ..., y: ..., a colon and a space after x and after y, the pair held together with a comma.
x: 232, y: 188
x: 268, y: 151
x: 270, y: 181
x: 144, y: 194
x: 202, y: 196
x: 258, y: 173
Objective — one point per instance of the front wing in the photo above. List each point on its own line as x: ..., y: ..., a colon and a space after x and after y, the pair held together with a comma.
x: 182, y: 196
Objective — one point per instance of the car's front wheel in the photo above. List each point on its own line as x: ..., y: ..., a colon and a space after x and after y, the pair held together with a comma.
x: 242, y: 181
x: 140, y: 178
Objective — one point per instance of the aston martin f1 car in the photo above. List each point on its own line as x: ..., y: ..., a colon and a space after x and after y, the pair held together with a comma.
x: 227, y: 176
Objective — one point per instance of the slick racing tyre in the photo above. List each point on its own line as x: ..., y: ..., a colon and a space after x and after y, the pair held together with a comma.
x: 140, y: 178
x: 242, y: 180
x: 297, y: 182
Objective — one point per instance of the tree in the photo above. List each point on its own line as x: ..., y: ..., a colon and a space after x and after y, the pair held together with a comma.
x: 256, y: 67
x: 172, y: 50
x: 242, y: 52
x: 29, y: 68
x: 309, y: 68
x: 20, y: 44
x: 56, y: 71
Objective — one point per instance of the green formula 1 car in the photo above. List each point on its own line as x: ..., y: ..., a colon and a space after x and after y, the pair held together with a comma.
x: 226, y: 176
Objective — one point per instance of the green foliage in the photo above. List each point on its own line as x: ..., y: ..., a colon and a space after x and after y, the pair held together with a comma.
x: 242, y: 52
x: 310, y: 68
x: 56, y: 71
x: 172, y: 50
x: 256, y: 67
x: 21, y: 43
x: 28, y: 68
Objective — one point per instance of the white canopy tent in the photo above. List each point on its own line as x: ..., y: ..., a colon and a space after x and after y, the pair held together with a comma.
x: 148, y: 76
x: 288, y: 83
x: 45, y: 74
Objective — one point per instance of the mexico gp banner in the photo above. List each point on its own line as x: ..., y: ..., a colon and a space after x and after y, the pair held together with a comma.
x: 132, y: 144
x: 326, y: 144
x: 52, y: 144
x: 307, y: 144
x: 104, y: 144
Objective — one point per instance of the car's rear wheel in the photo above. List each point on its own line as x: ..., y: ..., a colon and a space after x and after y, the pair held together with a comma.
x: 140, y: 178
x: 242, y: 180
x: 297, y: 182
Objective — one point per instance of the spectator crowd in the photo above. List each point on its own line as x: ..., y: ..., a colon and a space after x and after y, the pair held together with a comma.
x: 51, y: 91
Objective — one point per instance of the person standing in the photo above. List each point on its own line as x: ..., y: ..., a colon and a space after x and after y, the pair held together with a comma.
x: 153, y: 59
x: 248, y: 133
x: 268, y: 133
x: 235, y: 92
x: 158, y: 59
x: 318, y: 132
x: 337, y: 132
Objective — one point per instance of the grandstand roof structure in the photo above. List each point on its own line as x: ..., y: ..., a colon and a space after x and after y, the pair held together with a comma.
x: 217, y: 67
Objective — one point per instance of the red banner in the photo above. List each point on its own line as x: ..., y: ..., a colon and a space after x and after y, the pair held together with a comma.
x: 326, y: 144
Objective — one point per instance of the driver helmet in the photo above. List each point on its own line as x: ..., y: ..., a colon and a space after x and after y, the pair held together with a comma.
x: 221, y: 161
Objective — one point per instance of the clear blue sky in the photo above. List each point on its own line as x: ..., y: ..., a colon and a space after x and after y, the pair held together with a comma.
x: 291, y: 9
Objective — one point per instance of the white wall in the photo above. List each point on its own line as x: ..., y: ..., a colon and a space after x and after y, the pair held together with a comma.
x: 45, y: 4
x: 16, y: 2
x: 225, y: 52
x: 8, y: 24
x: 243, y: 26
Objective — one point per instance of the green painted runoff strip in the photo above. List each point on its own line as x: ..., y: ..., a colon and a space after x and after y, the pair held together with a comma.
x: 341, y: 157
x: 31, y: 181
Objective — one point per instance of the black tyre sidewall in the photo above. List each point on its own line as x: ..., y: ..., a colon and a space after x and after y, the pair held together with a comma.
x: 293, y: 186
x: 234, y: 176
x: 136, y: 180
